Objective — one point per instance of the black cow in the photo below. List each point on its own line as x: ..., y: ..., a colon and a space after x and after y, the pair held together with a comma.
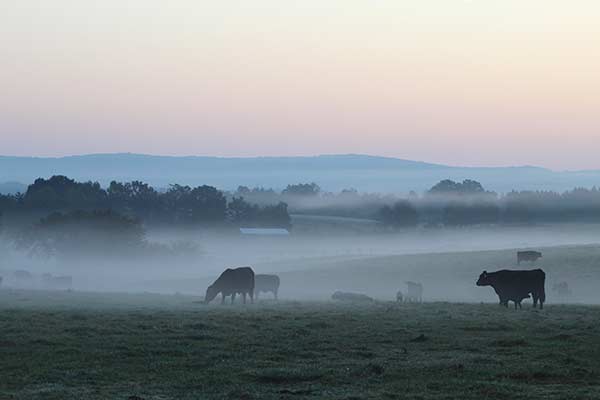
x: 266, y: 284
x: 516, y: 285
x: 517, y: 298
x: 531, y: 256
x: 230, y: 283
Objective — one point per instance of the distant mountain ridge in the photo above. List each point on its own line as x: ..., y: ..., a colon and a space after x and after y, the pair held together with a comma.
x: 331, y: 172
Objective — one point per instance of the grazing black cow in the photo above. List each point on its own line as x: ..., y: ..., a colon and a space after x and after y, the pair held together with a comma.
x: 516, y: 285
x: 266, y: 284
x: 531, y: 256
x: 231, y: 282
x: 352, y: 297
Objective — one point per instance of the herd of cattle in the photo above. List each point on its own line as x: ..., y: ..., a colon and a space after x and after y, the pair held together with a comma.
x: 27, y: 280
x: 509, y: 285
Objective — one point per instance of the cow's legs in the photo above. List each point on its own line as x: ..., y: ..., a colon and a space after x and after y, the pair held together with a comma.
x: 222, y: 298
x: 244, y: 297
x: 535, y: 299
x: 503, y: 302
x: 275, y: 294
x: 232, y: 297
x: 251, y: 297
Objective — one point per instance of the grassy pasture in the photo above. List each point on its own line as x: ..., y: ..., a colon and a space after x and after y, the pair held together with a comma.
x: 71, y: 345
x: 449, y: 276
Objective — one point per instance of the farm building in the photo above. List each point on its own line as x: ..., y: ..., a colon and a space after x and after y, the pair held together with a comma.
x: 264, y: 232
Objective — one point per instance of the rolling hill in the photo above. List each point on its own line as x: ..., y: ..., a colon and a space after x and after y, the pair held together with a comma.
x: 331, y: 172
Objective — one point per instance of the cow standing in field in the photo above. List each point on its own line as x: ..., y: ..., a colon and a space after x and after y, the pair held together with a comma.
x: 414, y: 292
x: 531, y: 256
x: 516, y: 285
x: 266, y: 283
x: 517, y: 298
x: 230, y: 283
x: 399, y: 297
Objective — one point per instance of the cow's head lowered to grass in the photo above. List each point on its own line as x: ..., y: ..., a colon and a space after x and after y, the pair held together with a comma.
x: 211, y: 293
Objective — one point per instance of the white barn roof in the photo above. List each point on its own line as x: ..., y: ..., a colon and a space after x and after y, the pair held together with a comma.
x: 264, y: 231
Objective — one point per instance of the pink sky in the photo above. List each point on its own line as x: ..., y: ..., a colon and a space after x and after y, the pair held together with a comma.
x: 450, y: 81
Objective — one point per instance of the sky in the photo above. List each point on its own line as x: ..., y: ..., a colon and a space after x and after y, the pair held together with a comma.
x: 473, y: 83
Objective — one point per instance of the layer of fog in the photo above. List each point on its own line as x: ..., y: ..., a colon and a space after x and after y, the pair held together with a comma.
x: 313, y: 266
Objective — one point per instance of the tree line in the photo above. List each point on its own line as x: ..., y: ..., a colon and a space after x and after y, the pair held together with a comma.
x: 447, y: 203
x: 178, y: 205
x: 467, y: 203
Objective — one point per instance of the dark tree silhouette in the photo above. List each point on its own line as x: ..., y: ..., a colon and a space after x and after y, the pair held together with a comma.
x: 302, y: 189
x: 400, y: 215
x: 62, y: 193
x: 450, y: 187
x: 242, y: 213
x: 476, y: 213
x: 101, y: 233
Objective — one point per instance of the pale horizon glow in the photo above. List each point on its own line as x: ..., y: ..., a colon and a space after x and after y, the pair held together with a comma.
x: 457, y: 82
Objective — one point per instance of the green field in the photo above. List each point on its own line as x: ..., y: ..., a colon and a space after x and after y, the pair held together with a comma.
x: 445, y: 276
x: 70, y: 345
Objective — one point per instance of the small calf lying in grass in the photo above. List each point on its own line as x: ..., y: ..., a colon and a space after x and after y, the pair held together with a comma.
x: 351, y: 297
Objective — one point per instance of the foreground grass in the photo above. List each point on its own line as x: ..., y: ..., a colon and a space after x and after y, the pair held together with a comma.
x: 103, y: 346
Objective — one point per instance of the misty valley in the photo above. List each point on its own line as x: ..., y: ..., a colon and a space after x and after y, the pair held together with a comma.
x: 358, y: 295
x: 299, y: 200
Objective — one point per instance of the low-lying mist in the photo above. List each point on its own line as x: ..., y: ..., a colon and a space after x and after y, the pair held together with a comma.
x: 312, y: 266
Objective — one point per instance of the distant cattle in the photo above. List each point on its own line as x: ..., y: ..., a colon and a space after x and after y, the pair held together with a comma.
x: 57, y: 282
x: 351, y: 297
x: 22, y: 275
x: 531, y: 256
x: 562, y: 290
x: 230, y: 283
x: 0, y: 281
x: 266, y: 284
x: 399, y: 297
x: 516, y: 285
x: 414, y: 294
x: 22, y: 278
